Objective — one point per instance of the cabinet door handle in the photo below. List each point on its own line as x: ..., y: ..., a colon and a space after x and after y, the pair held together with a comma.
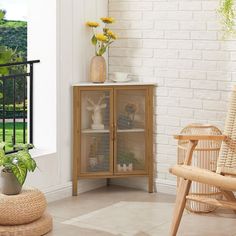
x: 115, y: 131
x: 112, y: 132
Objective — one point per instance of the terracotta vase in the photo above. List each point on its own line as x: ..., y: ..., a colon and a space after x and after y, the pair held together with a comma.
x: 98, y: 69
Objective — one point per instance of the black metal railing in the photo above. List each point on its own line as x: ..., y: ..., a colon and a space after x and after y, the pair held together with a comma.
x: 16, y: 103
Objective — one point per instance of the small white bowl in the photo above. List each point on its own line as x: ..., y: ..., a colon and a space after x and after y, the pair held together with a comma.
x: 120, y: 77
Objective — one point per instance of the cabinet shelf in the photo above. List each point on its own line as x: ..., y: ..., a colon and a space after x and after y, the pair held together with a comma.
x: 130, y: 130
x: 95, y: 131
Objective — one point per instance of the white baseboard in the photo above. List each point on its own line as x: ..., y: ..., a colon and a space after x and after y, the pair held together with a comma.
x: 160, y: 186
x: 59, y: 192
x: 131, y: 182
x: 165, y: 186
x: 65, y: 190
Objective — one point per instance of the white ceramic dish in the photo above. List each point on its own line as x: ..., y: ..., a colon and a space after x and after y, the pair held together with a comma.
x: 120, y: 77
x: 121, y: 81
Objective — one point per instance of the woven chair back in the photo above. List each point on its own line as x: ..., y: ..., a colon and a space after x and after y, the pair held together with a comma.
x: 227, y: 158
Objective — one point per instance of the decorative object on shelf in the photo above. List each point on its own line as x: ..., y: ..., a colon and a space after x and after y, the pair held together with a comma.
x: 101, y: 41
x: 96, y: 160
x: 124, y: 167
x: 126, y: 161
x: 227, y: 11
x: 93, y: 161
x: 98, y: 69
x: 120, y: 77
x: 126, y: 121
x: 16, y: 166
x: 97, y: 112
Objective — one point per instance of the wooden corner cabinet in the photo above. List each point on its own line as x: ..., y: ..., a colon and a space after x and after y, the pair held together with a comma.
x: 112, y: 131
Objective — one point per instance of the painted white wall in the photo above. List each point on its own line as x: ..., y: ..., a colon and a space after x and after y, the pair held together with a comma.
x: 42, y: 45
x: 176, y: 43
x: 75, y: 54
x: 59, y: 38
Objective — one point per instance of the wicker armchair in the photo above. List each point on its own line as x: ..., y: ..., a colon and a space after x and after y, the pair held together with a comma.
x: 222, y: 179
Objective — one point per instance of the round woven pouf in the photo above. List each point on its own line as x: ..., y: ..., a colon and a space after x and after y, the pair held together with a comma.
x: 36, y: 228
x: 23, y: 208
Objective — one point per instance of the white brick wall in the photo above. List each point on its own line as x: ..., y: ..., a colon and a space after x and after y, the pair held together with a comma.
x: 176, y: 43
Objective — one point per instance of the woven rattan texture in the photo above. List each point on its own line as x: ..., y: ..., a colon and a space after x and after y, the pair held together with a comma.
x: 205, y: 156
x: 36, y: 228
x: 227, y: 160
x: 23, y: 208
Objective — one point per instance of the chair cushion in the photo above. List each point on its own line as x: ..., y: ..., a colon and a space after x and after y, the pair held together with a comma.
x: 204, y: 176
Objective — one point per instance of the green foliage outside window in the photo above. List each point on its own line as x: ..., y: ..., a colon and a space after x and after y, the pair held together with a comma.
x: 13, y: 48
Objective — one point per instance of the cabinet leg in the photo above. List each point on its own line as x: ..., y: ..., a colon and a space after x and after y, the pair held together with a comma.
x: 150, y: 184
x: 108, y: 181
x: 75, y: 188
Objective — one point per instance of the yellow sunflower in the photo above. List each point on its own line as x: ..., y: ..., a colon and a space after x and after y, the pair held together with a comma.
x: 108, y: 20
x: 112, y: 34
x: 92, y: 24
x: 101, y: 37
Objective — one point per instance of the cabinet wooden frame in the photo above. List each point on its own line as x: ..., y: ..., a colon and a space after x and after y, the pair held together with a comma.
x: 77, y: 133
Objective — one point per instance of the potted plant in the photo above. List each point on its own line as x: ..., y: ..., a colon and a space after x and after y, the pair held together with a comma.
x: 126, y: 161
x: 15, y: 168
x: 101, y: 41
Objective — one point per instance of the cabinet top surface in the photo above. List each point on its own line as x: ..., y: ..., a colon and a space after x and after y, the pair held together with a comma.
x: 132, y: 83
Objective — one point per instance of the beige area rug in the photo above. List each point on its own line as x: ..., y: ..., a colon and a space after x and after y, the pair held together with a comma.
x: 126, y: 218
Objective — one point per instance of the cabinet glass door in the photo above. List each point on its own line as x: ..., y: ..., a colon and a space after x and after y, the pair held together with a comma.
x: 96, y: 136
x: 130, y: 131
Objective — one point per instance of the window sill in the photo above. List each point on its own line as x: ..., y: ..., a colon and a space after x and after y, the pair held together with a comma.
x: 37, y: 153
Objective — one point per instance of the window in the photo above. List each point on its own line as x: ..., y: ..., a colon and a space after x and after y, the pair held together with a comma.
x: 14, y: 85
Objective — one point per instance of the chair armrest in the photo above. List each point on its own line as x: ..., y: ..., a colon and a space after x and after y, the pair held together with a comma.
x: 200, y: 137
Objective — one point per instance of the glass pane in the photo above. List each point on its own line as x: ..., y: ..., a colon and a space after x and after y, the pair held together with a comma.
x: 130, y: 152
x: 95, y: 152
x: 131, y: 109
x: 130, y: 105
x: 95, y: 112
x: 95, y: 138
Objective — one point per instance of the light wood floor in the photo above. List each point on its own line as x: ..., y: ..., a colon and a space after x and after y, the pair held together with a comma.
x: 129, y: 212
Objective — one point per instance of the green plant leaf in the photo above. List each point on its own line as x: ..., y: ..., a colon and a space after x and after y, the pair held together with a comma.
x: 102, y: 51
x: 2, y: 145
x: 20, y: 171
x: 18, y: 163
x: 228, y: 15
x: 2, y: 154
x: 126, y: 158
x: 5, y: 160
x: 94, y: 40
x: 32, y: 164
x: 2, y: 14
x: 25, y: 157
x: 2, y: 157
